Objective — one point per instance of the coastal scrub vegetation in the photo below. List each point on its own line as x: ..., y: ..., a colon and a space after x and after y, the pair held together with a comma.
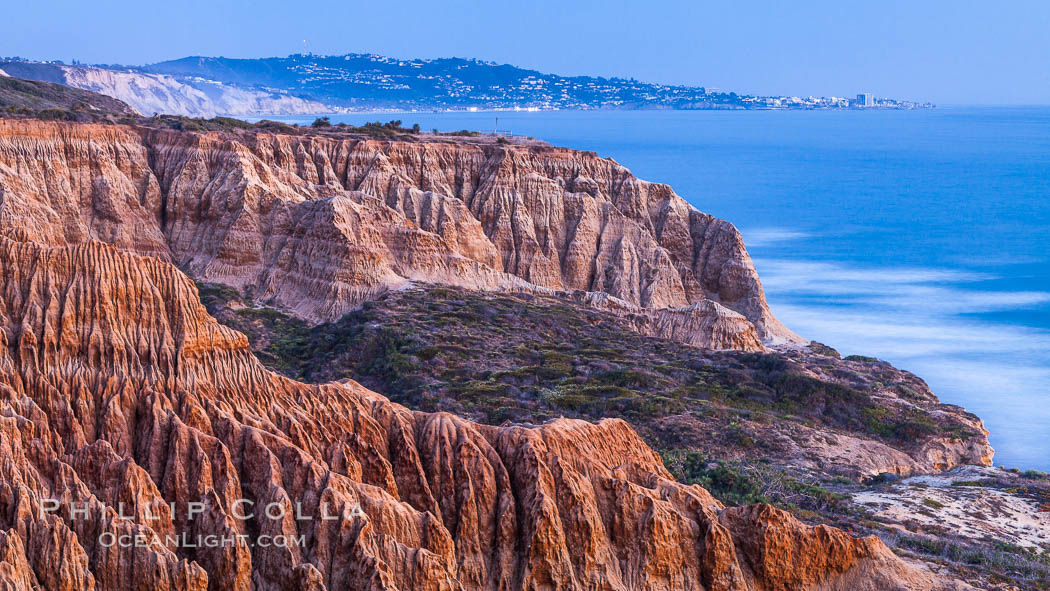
x: 717, y: 419
x: 55, y: 102
x: 995, y: 561
x: 27, y: 99
x: 745, y: 483
x: 468, y: 353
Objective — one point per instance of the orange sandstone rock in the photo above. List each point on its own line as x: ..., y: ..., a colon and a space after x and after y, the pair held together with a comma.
x: 318, y: 225
x: 117, y: 388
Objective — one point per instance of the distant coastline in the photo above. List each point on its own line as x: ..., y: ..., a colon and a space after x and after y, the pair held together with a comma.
x: 302, y: 84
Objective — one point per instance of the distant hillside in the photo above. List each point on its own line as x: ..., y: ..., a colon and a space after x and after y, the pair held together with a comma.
x: 155, y: 93
x: 372, y: 81
x: 35, y: 96
x: 307, y: 84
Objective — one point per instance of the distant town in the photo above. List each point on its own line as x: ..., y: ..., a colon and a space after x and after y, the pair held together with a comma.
x: 365, y: 82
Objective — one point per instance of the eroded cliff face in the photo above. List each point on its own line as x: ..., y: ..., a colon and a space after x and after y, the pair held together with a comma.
x: 120, y: 396
x: 317, y: 225
x: 158, y: 93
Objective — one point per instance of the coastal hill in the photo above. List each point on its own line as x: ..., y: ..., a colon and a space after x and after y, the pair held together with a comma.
x: 307, y: 83
x: 497, y: 363
x: 33, y: 97
x: 319, y: 223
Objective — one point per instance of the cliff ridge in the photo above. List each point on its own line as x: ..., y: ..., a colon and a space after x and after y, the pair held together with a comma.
x: 317, y: 225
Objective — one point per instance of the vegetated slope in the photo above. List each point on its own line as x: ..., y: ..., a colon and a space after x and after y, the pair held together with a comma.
x: 781, y: 427
x: 28, y: 96
x: 117, y: 389
x: 529, y: 358
x: 318, y: 224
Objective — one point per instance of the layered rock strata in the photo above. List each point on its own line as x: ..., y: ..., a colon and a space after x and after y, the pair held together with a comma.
x: 318, y: 224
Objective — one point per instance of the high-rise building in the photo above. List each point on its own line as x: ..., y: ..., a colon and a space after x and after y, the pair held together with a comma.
x: 865, y: 99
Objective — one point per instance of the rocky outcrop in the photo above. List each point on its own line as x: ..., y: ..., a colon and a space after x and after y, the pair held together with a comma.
x: 317, y: 224
x: 156, y: 93
x: 828, y: 452
x: 700, y: 324
x: 142, y: 446
x: 975, y: 503
x: 905, y: 429
x: 67, y: 184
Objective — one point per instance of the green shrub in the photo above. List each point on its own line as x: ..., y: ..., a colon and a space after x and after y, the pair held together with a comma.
x: 231, y: 123
x: 933, y: 504
x: 277, y: 127
x: 53, y: 114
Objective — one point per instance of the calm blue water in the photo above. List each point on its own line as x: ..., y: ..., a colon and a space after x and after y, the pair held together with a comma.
x: 920, y: 237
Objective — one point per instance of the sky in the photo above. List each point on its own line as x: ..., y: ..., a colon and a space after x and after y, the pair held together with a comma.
x: 948, y: 52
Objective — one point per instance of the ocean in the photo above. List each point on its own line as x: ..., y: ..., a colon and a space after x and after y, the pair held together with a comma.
x: 918, y: 237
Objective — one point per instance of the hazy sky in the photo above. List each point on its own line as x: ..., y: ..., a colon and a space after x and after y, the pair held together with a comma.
x: 958, y: 51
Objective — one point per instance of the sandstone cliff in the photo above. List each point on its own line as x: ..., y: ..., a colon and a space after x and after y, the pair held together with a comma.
x: 316, y: 224
x: 120, y: 395
x: 157, y: 93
